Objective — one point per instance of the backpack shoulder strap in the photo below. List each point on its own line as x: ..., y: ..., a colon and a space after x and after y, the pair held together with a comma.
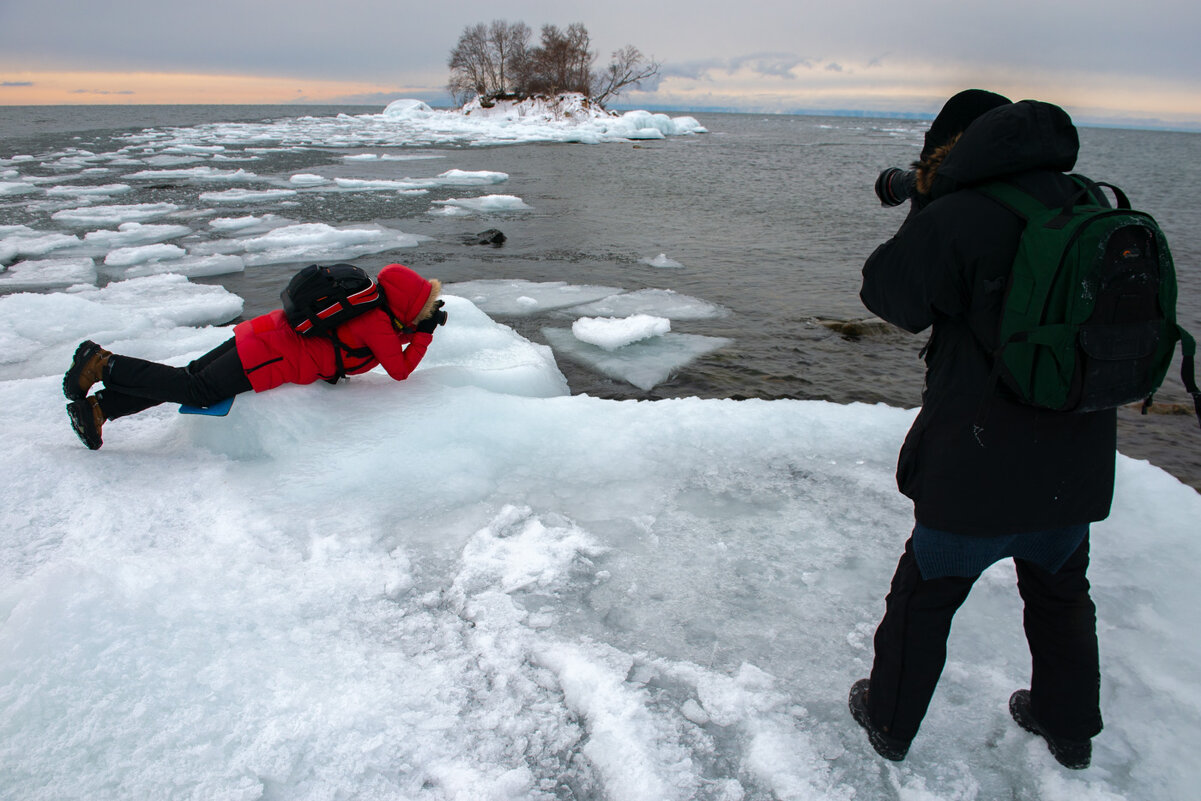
x: 1188, y: 350
x: 1018, y: 201
x: 1028, y: 207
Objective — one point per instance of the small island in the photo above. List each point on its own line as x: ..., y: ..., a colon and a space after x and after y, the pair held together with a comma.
x: 496, y: 62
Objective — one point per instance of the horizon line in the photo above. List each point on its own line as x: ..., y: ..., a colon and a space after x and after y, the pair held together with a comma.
x: 1083, y: 120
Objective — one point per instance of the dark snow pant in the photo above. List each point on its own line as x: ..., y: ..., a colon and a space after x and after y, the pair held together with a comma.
x: 1061, y: 630
x: 132, y: 385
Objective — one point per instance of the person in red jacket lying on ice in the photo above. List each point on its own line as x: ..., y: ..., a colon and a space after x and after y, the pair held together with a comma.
x: 264, y: 352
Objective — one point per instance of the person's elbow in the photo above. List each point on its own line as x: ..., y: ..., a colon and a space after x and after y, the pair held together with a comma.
x: 893, y: 307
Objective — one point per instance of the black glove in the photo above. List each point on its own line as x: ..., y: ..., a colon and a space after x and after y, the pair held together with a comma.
x: 437, y: 318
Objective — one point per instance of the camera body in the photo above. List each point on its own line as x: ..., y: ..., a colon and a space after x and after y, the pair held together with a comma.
x: 439, y: 315
x: 894, y: 186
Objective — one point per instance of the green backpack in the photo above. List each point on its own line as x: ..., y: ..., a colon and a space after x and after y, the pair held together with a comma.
x: 1089, y: 318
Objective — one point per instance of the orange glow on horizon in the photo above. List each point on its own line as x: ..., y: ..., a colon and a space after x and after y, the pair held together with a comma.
x: 145, y: 88
x: 913, y: 87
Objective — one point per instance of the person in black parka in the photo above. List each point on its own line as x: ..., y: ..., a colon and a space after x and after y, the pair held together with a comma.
x: 990, y: 477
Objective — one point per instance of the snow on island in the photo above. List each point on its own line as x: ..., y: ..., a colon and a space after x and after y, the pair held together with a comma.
x: 413, y: 123
x: 577, y: 111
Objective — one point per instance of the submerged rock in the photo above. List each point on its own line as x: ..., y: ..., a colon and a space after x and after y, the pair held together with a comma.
x: 1165, y: 408
x: 855, y: 329
x: 492, y: 237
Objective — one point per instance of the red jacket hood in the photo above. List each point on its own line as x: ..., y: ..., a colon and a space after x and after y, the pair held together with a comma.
x: 410, y: 297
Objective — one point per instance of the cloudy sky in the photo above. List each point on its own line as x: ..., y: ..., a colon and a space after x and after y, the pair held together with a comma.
x: 1105, y: 60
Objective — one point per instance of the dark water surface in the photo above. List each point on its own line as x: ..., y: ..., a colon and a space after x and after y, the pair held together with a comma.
x: 771, y: 216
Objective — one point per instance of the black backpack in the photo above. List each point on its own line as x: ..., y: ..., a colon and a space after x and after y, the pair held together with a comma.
x: 318, y: 299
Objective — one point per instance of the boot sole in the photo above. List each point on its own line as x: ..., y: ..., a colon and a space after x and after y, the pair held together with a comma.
x: 883, y: 745
x: 80, y: 415
x: 83, y: 354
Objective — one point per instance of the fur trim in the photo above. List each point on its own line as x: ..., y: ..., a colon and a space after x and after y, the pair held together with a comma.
x: 927, y: 168
x: 428, y: 308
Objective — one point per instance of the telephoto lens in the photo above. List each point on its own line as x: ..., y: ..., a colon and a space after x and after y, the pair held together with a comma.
x: 895, y: 186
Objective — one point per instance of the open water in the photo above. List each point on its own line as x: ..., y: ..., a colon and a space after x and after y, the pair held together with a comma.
x: 771, y: 216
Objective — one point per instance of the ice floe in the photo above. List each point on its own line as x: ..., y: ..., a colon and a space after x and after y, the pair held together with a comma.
x: 662, y: 261
x: 612, y: 333
x: 518, y: 298
x: 129, y: 234
x: 198, y: 174
x: 484, y: 204
x: 114, y: 214
x: 308, y: 242
x: 645, y: 364
x: 247, y: 195
x: 658, y: 302
x: 18, y: 241
x: 47, y: 274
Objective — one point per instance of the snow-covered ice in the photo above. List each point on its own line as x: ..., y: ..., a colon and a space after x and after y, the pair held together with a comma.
x: 114, y: 214
x: 308, y: 242
x: 198, y: 156
x: 365, y: 157
x: 574, y: 115
x: 249, y: 224
x: 609, y: 348
x: 307, y: 179
x: 48, y: 274
x: 663, y: 261
x: 13, y: 188
x: 129, y: 234
x: 485, y: 204
x: 515, y: 298
x: 190, y: 266
x: 412, y: 123
x: 645, y: 363
x: 98, y: 191
x: 247, y: 195
x: 659, y: 302
x: 471, y: 178
x: 139, y: 254
x: 198, y: 174
x: 612, y: 333
x: 22, y: 241
x: 472, y: 585
x: 37, y: 329
x: 509, y: 592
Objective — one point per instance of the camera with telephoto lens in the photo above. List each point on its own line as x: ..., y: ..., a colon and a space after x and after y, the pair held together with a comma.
x: 895, y: 186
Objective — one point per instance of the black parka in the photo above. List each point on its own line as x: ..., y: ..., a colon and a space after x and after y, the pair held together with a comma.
x: 976, y: 461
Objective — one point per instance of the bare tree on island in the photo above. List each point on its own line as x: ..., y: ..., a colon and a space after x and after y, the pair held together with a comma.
x: 489, y: 60
x: 495, y: 62
x: 628, y: 68
x: 562, y: 62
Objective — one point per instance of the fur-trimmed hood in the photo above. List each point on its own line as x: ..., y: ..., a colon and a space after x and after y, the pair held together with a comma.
x: 1007, y: 140
x: 431, y: 301
x: 410, y: 297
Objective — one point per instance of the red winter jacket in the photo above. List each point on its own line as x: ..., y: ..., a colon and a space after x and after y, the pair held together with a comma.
x: 272, y: 353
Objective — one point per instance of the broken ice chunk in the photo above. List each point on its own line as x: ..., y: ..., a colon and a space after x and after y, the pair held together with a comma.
x: 644, y: 364
x: 612, y: 333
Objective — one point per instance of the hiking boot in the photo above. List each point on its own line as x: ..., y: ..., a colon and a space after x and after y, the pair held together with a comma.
x: 87, y: 419
x: 1074, y: 754
x: 87, y: 368
x: 886, y: 746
